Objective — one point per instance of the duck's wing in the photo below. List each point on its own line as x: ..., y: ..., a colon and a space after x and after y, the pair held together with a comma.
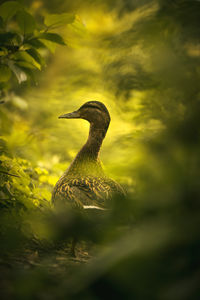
x: 85, y: 192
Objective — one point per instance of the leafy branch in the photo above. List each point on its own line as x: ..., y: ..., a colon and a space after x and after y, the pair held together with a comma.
x: 21, y: 40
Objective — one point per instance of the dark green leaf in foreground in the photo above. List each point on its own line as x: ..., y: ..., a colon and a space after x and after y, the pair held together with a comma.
x: 9, y: 9
x: 35, y: 42
x: 26, y: 22
x: 7, y: 37
x: 25, y: 59
x: 53, y: 37
x: 36, y: 56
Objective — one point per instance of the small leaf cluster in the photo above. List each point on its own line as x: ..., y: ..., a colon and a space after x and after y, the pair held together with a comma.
x: 19, y: 181
x: 23, y: 40
x: 22, y: 200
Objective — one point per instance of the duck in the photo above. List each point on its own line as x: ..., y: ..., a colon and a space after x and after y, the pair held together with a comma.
x: 84, y: 185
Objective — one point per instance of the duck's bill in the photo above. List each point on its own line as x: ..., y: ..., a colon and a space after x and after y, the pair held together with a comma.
x: 73, y: 115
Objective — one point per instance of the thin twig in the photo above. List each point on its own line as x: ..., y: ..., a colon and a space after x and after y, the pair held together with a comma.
x: 9, y: 174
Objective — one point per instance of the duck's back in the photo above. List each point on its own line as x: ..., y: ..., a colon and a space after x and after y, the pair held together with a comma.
x: 81, y: 191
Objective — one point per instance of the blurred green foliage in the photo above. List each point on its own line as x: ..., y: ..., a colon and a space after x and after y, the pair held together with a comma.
x: 141, y: 58
x: 23, y: 40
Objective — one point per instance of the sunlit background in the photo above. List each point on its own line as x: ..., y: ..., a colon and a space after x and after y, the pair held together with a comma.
x: 104, y: 61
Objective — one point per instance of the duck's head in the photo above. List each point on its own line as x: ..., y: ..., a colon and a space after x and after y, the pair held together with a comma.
x: 94, y: 112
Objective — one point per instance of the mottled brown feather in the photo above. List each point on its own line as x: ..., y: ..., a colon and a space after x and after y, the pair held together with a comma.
x: 87, y: 190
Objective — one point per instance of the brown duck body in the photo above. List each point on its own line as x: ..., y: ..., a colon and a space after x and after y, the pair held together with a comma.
x: 84, y: 183
x: 85, y: 191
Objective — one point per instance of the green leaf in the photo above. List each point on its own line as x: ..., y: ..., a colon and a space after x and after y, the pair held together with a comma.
x: 25, y: 64
x: 5, y: 73
x: 24, y: 47
x: 24, y: 59
x: 9, y: 9
x: 26, y: 22
x: 50, y: 45
x: 19, y: 73
x: 7, y: 37
x: 56, y: 20
x: 35, y: 43
x: 36, y: 55
x: 53, y: 37
x: 78, y: 27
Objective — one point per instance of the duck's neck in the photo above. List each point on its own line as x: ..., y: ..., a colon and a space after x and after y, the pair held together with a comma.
x: 87, y: 161
x: 92, y: 147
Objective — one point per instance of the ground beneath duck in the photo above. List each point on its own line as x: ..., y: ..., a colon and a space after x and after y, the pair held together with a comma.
x: 55, y: 264
x: 55, y: 258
